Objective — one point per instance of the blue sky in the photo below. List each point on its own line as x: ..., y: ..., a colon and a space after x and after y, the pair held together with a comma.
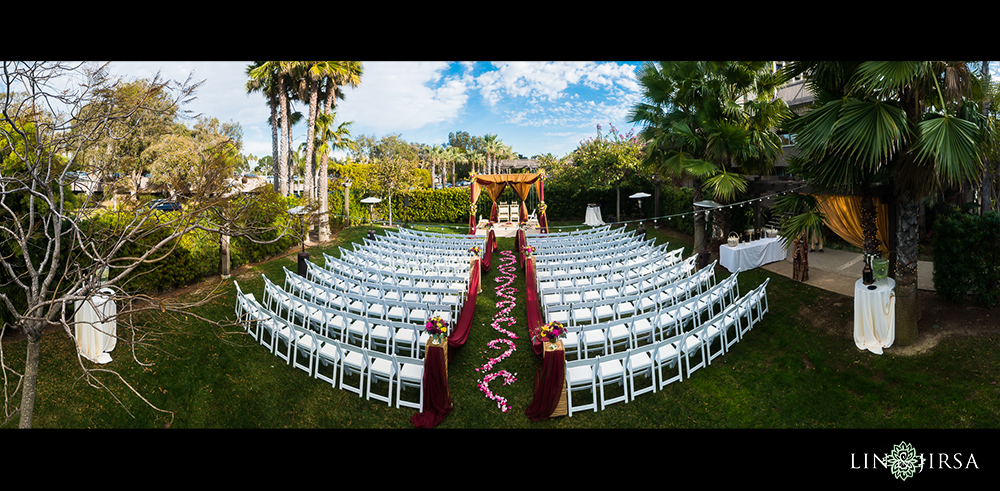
x: 535, y: 107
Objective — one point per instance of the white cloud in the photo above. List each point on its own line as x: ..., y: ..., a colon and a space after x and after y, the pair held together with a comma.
x: 398, y: 96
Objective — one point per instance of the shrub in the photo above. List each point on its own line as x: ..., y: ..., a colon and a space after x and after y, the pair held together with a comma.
x: 966, y: 251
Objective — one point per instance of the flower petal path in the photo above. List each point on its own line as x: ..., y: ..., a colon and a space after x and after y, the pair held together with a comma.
x: 508, y: 271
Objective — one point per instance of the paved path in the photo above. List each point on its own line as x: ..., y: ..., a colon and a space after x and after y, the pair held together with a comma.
x: 837, y: 271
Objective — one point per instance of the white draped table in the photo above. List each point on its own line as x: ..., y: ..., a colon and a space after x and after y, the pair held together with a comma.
x: 750, y: 255
x: 95, y: 333
x: 593, y: 216
x: 874, y: 316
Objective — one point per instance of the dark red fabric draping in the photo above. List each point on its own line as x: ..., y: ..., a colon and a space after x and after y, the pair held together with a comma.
x: 460, y: 333
x: 548, y: 385
x: 534, y: 313
x: 437, y: 397
x: 491, y: 245
x: 519, y: 243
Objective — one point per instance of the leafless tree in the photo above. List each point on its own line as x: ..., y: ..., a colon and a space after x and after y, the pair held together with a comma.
x: 55, y: 252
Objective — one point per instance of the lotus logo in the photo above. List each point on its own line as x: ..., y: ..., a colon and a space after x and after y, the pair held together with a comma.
x: 904, y: 461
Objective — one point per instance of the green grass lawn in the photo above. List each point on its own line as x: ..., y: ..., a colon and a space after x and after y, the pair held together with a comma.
x: 784, y: 374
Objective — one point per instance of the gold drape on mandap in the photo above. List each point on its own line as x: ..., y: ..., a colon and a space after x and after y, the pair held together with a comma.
x: 843, y: 217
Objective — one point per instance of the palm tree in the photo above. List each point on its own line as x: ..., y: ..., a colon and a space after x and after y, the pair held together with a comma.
x: 710, y: 121
x: 492, y: 146
x: 915, y: 124
x: 263, y: 78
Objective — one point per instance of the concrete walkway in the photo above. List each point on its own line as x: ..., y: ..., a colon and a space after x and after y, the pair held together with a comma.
x: 837, y: 271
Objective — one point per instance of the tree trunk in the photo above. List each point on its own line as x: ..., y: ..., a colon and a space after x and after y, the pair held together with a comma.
x: 699, y: 220
x: 224, y: 255
x: 869, y: 226
x: 618, y: 203
x: 283, y: 166
x: 30, y: 377
x: 907, y: 239
x: 275, y: 168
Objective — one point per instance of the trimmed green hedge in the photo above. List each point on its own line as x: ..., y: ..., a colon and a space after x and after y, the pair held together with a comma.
x: 967, y: 257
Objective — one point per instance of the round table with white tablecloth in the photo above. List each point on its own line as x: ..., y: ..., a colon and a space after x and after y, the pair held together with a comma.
x: 593, y: 215
x: 96, y: 328
x: 875, y: 315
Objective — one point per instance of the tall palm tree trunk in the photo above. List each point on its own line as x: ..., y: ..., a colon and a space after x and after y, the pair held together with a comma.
x: 907, y: 240
x: 284, y: 167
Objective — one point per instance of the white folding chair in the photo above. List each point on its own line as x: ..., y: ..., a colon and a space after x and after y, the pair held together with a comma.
x: 692, y: 348
x: 611, y: 371
x: 593, y: 341
x: 667, y: 356
x: 639, y: 363
x: 582, y: 313
x: 357, y: 330
x: 306, y: 347
x: 581, y: 377
x: 327, y: 359
x: 641, y: 328
x: 381, y: 369
x: 352, y: 362
x: 411, y: 375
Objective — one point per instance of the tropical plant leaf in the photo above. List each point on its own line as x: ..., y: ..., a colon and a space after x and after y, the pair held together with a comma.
x: 869, y: 132
x: 950, y: 142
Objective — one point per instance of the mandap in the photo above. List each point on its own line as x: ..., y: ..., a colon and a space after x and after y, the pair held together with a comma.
x: 494, y: 184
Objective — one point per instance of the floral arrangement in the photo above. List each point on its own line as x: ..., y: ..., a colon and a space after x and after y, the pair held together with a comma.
x: 437, y: 327
x: 529, y: 250
x: 542, y: 207
x: 551, y: 332
x: 475, y: 250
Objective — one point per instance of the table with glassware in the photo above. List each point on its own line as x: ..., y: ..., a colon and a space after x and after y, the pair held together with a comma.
x: 752, y: 254
x: 874, y: 314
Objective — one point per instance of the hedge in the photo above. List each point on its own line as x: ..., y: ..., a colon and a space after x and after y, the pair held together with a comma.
x: 967, y: 257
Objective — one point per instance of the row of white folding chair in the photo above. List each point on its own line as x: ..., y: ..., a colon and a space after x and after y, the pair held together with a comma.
x: 337, y: 363
x: 459, y: 241
x: 599, y: 274
x: 402, y: 273
x: 397, y: 329
x: 620, y: 254
x: 588, y: 247
x: 401, y: 278
x: 601, y: 231
x: 682, y: 354
x: 389, y: 289
x: 625, y: 368
x: 656, y: 298
x: 406, y: 263
x: 592, y: 287
x: 428, y: 235
x: 428, y: 249
x: 323, y: 357
x: 376, y: 302
x: 389, y: 260
x: 651, y: 260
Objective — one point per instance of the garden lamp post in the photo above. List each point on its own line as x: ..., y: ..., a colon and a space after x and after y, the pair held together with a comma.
x: 639, y: 196
x: 303, y: 255
x: 371, y: 201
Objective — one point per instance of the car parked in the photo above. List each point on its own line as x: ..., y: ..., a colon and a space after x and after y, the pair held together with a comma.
x: 165, y: 205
